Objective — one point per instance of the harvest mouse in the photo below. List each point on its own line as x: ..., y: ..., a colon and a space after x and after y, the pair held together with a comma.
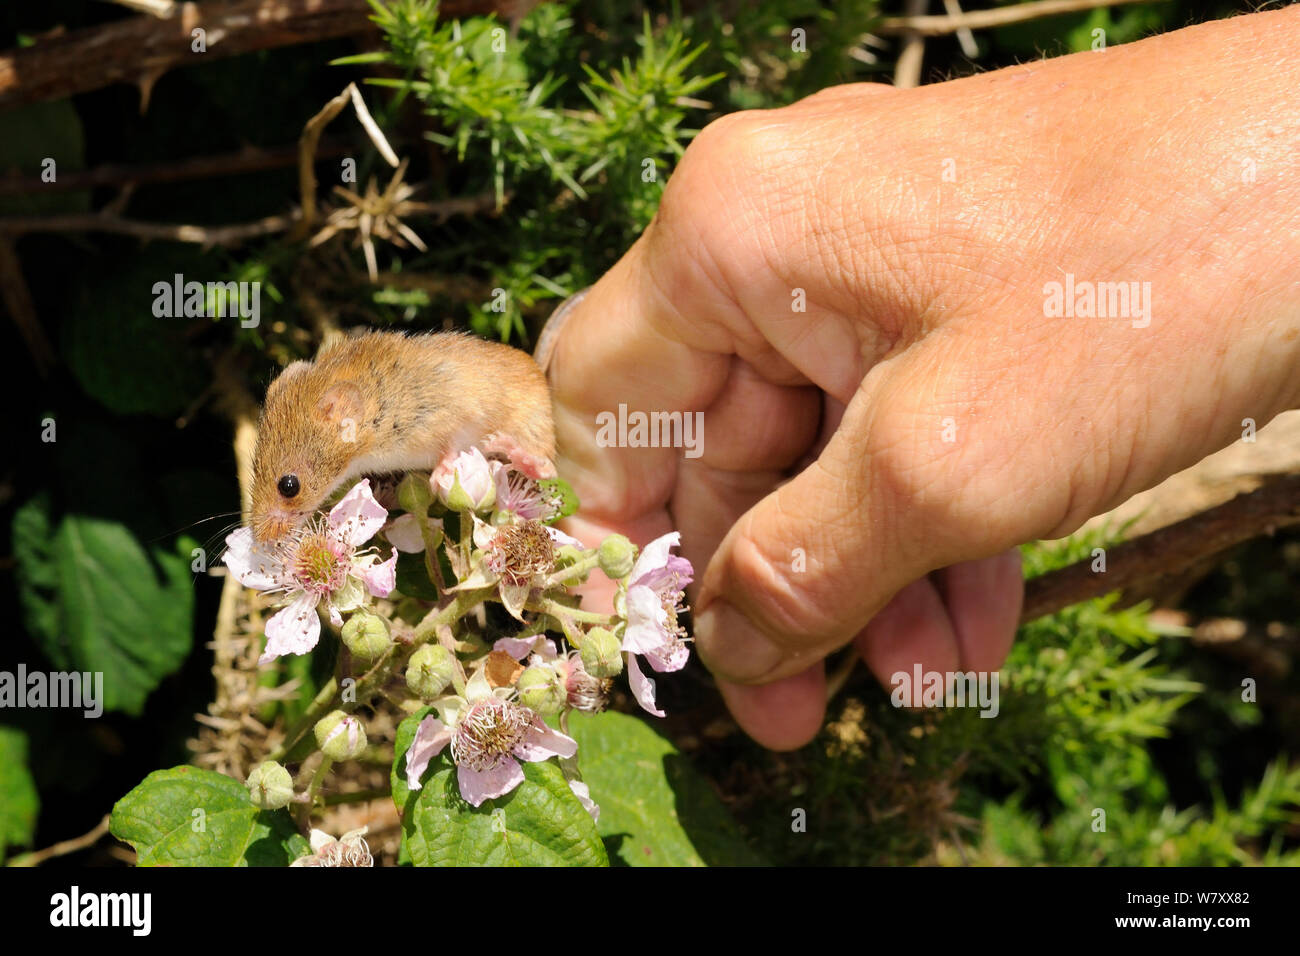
x: 384, y: 402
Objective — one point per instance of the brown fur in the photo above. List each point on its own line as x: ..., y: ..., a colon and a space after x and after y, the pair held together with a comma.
x: 382, y: 402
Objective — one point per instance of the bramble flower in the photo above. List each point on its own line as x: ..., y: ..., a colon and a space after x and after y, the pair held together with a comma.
x: 466, y: 483
x: 318, y: 562
x: 516, y: 558
x: 583, y: 691
x: 653, y: 603
x: 488, y: 734
x: 348, y: 850
x: 521, y: 497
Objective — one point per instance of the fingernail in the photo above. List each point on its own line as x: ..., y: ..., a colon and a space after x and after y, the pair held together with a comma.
x: 731, y: 647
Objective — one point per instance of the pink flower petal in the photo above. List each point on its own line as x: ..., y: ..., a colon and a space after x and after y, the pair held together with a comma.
x: 479, y: 785
x: 358, y: 517
x: 669, y: 658
x: 253, y: 566
x: 516, y: 647
x: 404, y: 534
x: 294, y: 630
x: 643, y: 688
x: 380, y: 578
x: 541, y: 742
x: 430, y: 737
x: 472, y: 471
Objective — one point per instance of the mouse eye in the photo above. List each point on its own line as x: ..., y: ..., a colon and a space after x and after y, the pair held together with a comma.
x: 288, y: 485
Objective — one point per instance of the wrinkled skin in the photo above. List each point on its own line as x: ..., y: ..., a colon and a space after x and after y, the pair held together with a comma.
x: 825, y: 429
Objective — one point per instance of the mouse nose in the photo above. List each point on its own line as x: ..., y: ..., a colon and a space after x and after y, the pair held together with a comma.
x: 271, y: 527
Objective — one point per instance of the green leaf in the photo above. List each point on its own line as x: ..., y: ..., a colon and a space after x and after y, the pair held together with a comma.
x: 564, y: 491
x: 186, y: 816
x: 539, y: 823
x: 413, y: 578
x: 96, y: 601
x: 19, y: 801
x: 32, y: 136
x: 123, y: 355
x: 655, y: 809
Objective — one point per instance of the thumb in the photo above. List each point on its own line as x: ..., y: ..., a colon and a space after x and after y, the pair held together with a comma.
x: 805, y: 569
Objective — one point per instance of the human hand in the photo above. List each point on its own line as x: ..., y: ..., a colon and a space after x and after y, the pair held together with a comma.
x: 868, y: 464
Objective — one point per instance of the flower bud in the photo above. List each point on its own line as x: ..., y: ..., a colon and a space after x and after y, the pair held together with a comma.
x: 616, y: 556
x: 366, y: 635
x: 601, y: 653
x: 414, y: 494
x: 541, y: 688
x: 269, y: 786
x: 340, y: 736
x: 431, y: 668
x: 469, y: 485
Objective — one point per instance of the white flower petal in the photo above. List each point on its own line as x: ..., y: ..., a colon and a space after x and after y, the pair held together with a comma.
x: 583, y: 793
x: 647, y: 621
x: 358, y: 517
x: 643, y: 688
x: 655, y: 554
x: 294, y: 630
x: 252, y: 565
x: 561, y: 539
x: 404, y: 534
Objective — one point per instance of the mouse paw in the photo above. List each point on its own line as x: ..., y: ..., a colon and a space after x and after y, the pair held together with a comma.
x: 534, y: 466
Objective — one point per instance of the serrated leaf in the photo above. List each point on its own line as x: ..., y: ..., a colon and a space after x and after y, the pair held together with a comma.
x: 161, y: 819
x: 19, y: 801
x: 655, y: 808
x: 539, y: 823
x: 94, y: 601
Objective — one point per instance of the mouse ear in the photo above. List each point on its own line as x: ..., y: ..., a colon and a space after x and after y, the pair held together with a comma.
x: 290, y: 372
x: 342, y: 405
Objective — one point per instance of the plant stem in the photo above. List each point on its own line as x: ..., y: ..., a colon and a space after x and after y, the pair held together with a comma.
x: 581, y: 567
x: 560, y: 611
x: 305, y: 808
